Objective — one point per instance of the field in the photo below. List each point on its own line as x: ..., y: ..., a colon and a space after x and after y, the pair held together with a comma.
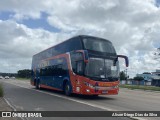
x: 141, y: 87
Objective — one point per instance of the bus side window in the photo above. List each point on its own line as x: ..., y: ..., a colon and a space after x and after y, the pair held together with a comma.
x: 59, y: 69
x: 75, y: 57
x: 49, y: 71
x: 42, y: 71
x: 53, y: 70
x: 64, y: 69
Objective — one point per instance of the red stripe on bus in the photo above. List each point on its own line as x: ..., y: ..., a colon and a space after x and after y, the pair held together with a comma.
x: 48, y: 87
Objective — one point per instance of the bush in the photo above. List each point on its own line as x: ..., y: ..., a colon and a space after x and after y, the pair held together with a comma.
x: 1, y: 90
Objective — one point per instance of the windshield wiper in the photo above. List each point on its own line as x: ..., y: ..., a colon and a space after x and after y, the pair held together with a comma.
x: 113, y: 78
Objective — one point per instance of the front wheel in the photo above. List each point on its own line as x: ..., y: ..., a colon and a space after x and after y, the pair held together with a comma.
x: 95, y: 95
x: 67, y: 89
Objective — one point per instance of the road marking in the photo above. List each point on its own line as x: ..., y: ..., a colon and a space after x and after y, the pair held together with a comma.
x: 14, y: 109
x: 78, y: 101
x: 9, y: 104
x: 64, y: 97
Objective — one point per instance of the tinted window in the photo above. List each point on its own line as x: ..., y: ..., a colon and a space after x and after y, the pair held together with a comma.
x: 75, y: 44
x: 76, y: 56
x: 102, y: 68
x: 95, y: 68
x: 54, y: 70
x: 67, y: 46
x: 100, y: 45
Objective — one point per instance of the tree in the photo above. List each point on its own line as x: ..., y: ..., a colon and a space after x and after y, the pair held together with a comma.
x: 122, y: 75
x: 138, y: 78
x: 26, y: 73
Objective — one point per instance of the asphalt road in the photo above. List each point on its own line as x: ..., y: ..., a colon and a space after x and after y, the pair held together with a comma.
x: 22, y: 96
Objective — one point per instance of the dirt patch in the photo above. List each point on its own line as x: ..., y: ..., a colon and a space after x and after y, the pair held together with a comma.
x: 5, y: 107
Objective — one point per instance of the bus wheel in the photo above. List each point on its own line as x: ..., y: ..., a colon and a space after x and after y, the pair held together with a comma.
x: 95, y: 95
x: 38, y: 85
x: 67, y: 89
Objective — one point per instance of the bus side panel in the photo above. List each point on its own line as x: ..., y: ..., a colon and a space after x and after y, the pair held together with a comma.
x: 57, y: 78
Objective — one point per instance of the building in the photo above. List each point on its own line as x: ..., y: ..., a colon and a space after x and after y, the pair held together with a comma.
x: 156, y: 78
x: 147, y: 78
x: 152, y: 78
x: 156, y: 73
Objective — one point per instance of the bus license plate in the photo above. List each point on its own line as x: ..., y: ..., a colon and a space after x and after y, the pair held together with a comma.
x: 104, y: 91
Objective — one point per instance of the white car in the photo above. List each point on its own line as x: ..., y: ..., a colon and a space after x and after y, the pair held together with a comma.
x: 1, y: 77
x: 12, y: 77
x: 6, y: 77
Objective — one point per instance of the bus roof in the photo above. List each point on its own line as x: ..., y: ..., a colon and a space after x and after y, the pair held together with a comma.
x: 80, y: 36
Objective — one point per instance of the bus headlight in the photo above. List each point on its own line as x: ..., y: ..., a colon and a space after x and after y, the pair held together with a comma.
x: 87, y: 90
x: 115, y: 86
x: 88, y: 84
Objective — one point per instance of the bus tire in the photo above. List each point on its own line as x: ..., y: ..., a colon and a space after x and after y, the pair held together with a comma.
x: 34, y: 82
x: 95, y: 95
x: 38, y: 84
x: 67, y: 89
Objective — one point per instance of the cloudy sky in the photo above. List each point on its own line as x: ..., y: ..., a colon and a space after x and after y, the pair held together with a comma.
x: 29, y: 26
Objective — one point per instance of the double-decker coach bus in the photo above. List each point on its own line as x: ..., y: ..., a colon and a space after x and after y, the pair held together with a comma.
x: 83, y: 64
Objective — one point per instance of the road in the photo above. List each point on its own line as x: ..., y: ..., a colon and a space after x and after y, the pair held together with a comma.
x: 22, y: 96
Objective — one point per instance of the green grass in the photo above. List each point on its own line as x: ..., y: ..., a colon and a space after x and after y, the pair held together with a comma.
x: 1, y: 90
x: 141, y: 87
x: 22, y: 78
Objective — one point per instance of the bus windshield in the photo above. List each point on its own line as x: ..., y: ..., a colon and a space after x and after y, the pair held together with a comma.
x: 102, y: 68
x: 99, y: 45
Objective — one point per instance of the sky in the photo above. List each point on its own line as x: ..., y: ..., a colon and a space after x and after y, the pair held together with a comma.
x: 28, y: 27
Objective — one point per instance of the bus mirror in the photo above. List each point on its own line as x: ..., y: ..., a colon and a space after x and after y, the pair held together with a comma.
x: 126, y: 59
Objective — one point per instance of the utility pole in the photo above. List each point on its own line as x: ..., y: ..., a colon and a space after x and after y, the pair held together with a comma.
x: 126, y: 74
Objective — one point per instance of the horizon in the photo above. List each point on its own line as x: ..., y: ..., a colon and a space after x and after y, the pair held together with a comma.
x: 28, y: 27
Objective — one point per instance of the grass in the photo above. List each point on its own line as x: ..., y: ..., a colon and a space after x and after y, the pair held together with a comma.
x: 1, y: 90
x: 141, y: 87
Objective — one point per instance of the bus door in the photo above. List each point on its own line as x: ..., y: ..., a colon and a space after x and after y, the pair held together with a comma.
x: 77, y: 63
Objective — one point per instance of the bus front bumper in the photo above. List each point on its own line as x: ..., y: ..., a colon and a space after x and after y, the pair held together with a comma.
x: 99, y: 90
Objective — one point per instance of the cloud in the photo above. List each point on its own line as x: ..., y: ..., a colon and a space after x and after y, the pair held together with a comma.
x: 19, y: 43
x: 22, y: 9
x: 133, y: 27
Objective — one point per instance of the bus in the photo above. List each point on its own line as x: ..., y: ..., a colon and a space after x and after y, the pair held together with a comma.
x: 83, y: 64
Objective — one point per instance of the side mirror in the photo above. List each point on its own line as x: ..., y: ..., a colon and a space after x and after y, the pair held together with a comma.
x: 126, y: 59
